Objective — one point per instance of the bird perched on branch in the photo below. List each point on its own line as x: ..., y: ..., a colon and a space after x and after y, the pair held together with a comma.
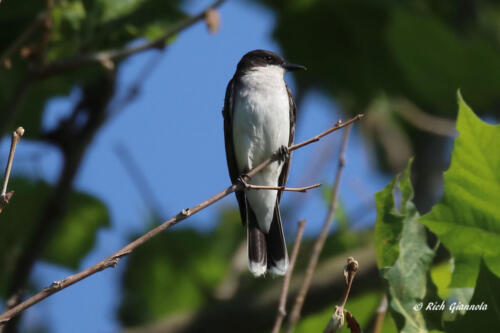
x: 259, y: 120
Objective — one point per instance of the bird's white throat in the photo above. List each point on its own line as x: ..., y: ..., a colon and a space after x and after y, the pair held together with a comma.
x: 264, y: 76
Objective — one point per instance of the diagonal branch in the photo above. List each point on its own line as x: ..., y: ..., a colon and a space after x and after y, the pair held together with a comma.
x: 113, y: 259
x: 320, y: 242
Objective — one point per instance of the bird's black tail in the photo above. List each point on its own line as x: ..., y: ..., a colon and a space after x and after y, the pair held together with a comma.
x: 257, y: 249
x: 277, y: 255
x: 266, y: 251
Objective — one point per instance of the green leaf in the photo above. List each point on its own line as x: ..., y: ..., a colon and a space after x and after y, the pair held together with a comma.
x: 398, y: 234
x: 467, y: 219
x: 487, y: 293
x: 388, y: 227
x: 87, y: 26
x: 73, y: 239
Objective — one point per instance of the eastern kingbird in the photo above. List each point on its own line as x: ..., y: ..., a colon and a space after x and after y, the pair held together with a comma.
x: 259, y: 119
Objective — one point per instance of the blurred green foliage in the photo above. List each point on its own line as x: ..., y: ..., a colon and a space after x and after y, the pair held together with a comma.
x: 415, y: 51
x: 73, y: 239
x: 73, y: 28
x: 356, y: 49
x: 363, y: 307
x: 177, y: 270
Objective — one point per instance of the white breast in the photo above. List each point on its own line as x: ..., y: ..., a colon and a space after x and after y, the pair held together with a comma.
x: 261, y: 125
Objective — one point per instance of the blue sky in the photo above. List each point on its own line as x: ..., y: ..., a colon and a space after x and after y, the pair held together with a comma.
x: 174, y: 132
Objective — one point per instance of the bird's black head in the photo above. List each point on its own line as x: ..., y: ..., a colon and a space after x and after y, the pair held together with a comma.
x: 262, y: 58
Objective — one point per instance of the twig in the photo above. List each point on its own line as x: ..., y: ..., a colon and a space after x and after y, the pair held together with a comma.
x: 288, y: 276
x: 281, y: 188
x: 11, y: 112
x: 350, y: 271
x: 425, y: 121
x: 4, y: 196
x: 381, y: 311
x: 113, y: 259
x: 320, y: 242
x: 337, y: 320
x: 108, y: 55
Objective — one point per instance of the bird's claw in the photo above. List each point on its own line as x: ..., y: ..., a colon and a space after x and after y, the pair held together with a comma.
x: 241, y: 180
x: 283, y: 153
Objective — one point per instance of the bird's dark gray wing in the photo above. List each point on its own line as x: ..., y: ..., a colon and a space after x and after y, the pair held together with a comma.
x: 232, y: 166
x: 286, y: 167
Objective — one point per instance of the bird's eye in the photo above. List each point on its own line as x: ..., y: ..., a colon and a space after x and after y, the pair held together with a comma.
x: 269, y: 58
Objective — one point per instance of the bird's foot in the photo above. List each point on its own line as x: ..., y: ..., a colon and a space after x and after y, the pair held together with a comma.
x: 242, y: 180
x: 283, y: 153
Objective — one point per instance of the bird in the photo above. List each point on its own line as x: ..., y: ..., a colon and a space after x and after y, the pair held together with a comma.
x: 259, y: 120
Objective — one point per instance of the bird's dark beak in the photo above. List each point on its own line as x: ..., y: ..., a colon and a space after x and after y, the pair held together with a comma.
x: 293, y: 67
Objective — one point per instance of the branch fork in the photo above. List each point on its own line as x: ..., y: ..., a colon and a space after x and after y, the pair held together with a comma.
x: 243, y: 185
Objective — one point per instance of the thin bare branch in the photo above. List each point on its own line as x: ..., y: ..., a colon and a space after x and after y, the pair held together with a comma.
x: 281, y: 188
x: 350, y: 271
x: 4, y: 196
x: 381, y: 311
x: 423, y: 120
x: 320, y: 242
x: 113, y: 259
x: 107, y: 56
x: 288, y: 277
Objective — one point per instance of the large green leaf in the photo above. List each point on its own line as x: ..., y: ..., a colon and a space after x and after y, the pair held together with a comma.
x: 467, y: 219
x: 485, y: 318
x: 73, y: 239
x: 407, y: 278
